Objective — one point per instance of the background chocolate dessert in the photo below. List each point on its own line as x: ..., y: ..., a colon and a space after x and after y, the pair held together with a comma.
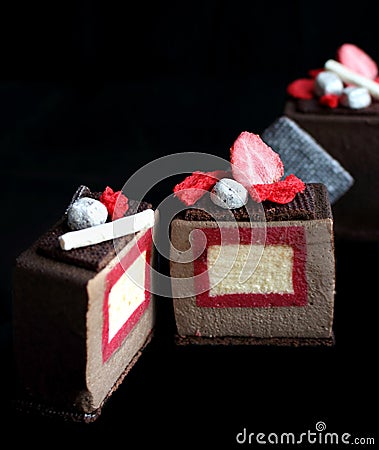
x: 89, y: 93
x: 352, y: 138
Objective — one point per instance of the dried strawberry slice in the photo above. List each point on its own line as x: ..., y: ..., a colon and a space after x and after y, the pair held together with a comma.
x: 357, y: 60
x: 301, y: 88
x: 253, y: 161
x: 283, y: 191
x: 116, y: 203
x: 193, y: 187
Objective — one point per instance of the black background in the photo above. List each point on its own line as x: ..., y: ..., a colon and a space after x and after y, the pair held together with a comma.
x: 89, y: 93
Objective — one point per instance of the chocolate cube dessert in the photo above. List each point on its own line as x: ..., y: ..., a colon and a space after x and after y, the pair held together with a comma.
x: 345, y: 122
x: 83, y: 316
x: 263, y: 268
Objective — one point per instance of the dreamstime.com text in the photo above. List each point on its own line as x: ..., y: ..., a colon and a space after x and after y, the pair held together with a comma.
x: 319, y: 436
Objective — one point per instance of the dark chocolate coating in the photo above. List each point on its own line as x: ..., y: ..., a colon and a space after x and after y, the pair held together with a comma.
x: 312, y: 204
x: 29, y: 404
x: 94, y: 257
x: 353, y: 140
x: 313, y: 106
x: 49, y: 316
x: 238, y: 340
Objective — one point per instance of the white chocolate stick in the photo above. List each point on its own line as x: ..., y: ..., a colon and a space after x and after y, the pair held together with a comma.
x: 107, y: 231
x: 351, y: 77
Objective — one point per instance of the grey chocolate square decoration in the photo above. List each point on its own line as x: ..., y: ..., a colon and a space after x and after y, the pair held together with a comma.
x: 305, y: 158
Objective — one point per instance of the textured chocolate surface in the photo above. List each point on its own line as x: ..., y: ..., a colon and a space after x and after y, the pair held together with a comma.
x: 310, y: 205
x: 302, y: 155
x: 26, y: 404
x: 313, y: 106
x: 49, y: 324
x: 246, y: 340
x: 93, y: 257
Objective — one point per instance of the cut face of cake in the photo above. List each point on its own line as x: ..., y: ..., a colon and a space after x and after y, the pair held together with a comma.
x: 349, y: 130
x: 290, y: 292
x: 81, y: 318
x: 254, y: 280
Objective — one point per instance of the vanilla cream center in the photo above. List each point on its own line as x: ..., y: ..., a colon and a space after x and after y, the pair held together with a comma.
x: 126, y: 295
x: 272, y: 274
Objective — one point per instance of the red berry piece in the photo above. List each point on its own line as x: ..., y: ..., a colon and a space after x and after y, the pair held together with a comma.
x: 253, y: 161
x: 116, y: 203
x: 329, y: 100
x: 283, y: 191
x: 302, y: 88
x: 193, y: 187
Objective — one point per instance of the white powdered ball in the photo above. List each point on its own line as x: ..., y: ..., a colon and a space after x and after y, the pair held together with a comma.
x: 328, y: 83
x: 86, y: 212
x: 355, y: 97
x: 229, y: 194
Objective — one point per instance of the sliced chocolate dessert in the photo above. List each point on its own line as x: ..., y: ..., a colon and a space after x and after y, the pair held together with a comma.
x: 83, y: 316
x: 262, y: 269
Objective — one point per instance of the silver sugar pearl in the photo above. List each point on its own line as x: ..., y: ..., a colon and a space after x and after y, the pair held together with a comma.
x: 86, y: 212
x: 328, y: 83
x: 229, y: 194
x: 355, y: 97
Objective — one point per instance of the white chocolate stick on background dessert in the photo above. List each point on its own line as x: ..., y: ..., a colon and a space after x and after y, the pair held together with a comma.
x: 351, y: 77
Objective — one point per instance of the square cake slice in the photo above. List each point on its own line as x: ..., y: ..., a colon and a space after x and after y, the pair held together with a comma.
x: 81, y: 319
x: 287, y: 297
